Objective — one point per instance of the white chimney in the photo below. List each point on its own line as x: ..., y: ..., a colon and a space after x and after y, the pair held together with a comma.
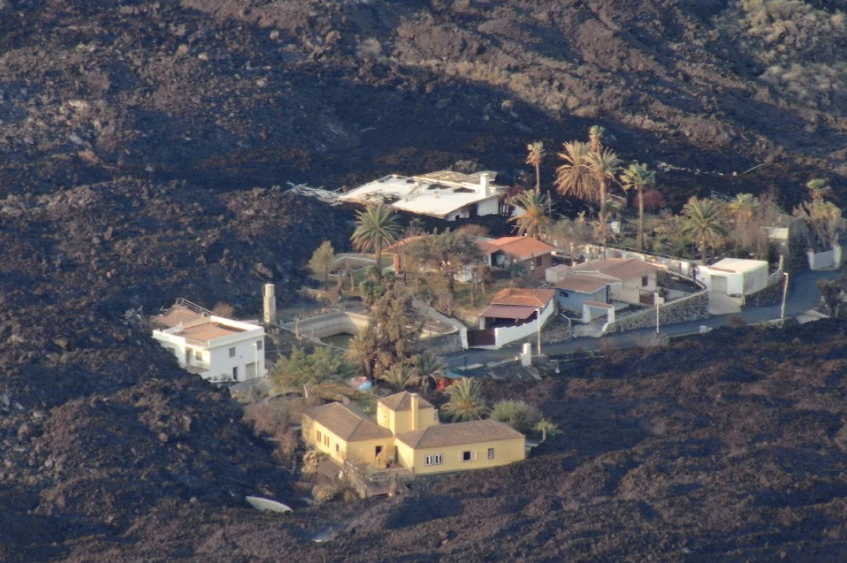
x: 415, y: 404
x: 269, y: 302
x: 484, y: 187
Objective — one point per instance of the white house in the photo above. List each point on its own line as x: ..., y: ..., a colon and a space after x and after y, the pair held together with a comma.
x: 446, y: 195
x: 627, y: 280
x: 734, y: 276
x: 513, y: 314
x: 216, y: 348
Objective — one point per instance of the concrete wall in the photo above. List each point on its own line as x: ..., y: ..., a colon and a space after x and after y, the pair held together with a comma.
x: 330, y: 324
x: 822, y: 260
x: 573, y: 302
x: 594, y: 251
x: 682, y: 310
x: 505, y: 335
x: 505, y: 452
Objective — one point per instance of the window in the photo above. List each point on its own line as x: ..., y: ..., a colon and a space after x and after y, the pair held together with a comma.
x: 538, y: 261
x: 468, y: 456
x: 259, y: 344
x: 235, y: 373
x: 232, y: 352
x: 645, y: 280
x: 435, y: 459
x: 490, y: 453
x: 319, y: 436
x: 198, y: 355
x: 564, y: 293
x: 326, y: 441
x: 336, y: 447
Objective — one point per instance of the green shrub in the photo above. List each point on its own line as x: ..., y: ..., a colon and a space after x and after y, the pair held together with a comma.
x: 517, y: 414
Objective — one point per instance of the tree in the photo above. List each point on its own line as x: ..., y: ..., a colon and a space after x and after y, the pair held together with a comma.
x: 534, y: 221
x: 400, y: 376
x: 389, y: 336
x: 743, y: 210
x: 818, y: 189
x: 703, y: 220
x: 375, y: 284
x: 427, y: 368
x: 466, y: 400
x: 574, y: 177
x: 544, y: 426
x: 448, y: 254
x: 323, y: 262
x: 595, y: 137
x: 535, y: 154
x: 304, y: 369
x: 638, y: 177
x: 603, y: 166
x: 376, y: 227
x: 823, y: 219
x: 517, y: 414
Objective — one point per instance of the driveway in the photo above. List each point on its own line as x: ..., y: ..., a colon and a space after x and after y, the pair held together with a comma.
x: 802, y: 295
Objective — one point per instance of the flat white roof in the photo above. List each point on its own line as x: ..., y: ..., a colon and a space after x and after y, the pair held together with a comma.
x: 437, y: 194
x: 739, y: 265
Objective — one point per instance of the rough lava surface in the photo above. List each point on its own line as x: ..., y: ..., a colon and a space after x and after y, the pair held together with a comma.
x: 141, y: 144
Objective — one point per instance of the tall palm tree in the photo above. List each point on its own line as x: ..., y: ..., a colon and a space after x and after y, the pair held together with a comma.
x: 603, y: 166
x: 818, y: 189
x: 376, y: 226
x: 595, y: 137
x: 400, y: 376
x: 427, y: 368
x: 574, y: 178
x: 534, y: 221
x: 743, y: 209
x: 703, y: 219
x: 535, y: 154
x: 466, y: 400
x: 638, y: 177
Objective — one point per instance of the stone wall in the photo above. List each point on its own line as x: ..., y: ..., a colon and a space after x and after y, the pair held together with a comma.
x: 771, y: 295
x: 689, y: 308
x: 441, y: 345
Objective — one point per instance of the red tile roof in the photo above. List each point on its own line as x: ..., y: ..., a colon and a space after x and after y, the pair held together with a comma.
x: 523, y: 297
x: 522, y: 248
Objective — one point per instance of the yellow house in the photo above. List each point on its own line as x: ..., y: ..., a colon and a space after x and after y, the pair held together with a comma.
x: 460, y: 446
x: 407, y: 431
x: 345, y: 433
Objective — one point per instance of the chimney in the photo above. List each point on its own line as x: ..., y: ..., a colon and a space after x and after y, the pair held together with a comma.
x: 484, y: 187
x: 269, y: 303
x: 415, y: 403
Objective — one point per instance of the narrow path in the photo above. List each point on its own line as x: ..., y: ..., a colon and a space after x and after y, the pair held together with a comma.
x: 802, y: 296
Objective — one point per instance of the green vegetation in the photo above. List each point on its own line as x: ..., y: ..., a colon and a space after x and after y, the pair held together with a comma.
x: 535, y: 154
x: 322, y: 262
x: 376, y: 227
x: 466, y: 401
x: 704, y: 221
x: 517, y: 414
x: 535, y: 221
x: 638, y: 177
x: 303, y: 370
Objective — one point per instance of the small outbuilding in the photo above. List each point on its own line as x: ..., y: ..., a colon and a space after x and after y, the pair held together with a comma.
x: 734, y: 276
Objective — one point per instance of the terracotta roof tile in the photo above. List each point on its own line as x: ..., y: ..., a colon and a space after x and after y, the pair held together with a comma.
x: 459, y: 433
x: 403, y: 401
x: 523, y: 297
x: 583, y: 283
x: 347, y: 422
x: 521, y: 248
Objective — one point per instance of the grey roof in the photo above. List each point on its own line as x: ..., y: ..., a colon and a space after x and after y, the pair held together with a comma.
x: 348, y: 423
x: 402, y: 401
x: 459, y: 433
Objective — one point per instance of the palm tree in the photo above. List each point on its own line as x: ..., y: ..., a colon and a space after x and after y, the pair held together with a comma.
x: 823, y: 219
x: 362, y: 351
x: 375, y: 226
x: 535, y: 153
x: 427, y: 368
x: 638, y: 177
x: 534, y: 221
x: 400, y: 376
x: 703, y: 220
x: 544, y: 426
x: 466, y: 400
x: 818, y: 189
x: 743, y: 209
x: 595, y: 137
x: 603, y: 166
x: 574, y: 178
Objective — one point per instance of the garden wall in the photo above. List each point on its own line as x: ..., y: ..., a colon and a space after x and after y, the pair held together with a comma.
x: 691, y: 308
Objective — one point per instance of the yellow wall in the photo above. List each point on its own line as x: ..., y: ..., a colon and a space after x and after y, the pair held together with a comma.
x: 400, y: 422
x: 358, y: 452
x: 505, y: 452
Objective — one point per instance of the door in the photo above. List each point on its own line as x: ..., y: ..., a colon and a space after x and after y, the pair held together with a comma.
x: 251, y: 370
x: 719, y: 283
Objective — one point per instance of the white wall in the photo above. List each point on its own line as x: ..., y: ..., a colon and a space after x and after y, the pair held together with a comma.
x: 490, y: 206
x: 504, y: 335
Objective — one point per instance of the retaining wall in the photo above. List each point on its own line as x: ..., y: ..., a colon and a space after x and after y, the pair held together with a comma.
x: 690, y: 308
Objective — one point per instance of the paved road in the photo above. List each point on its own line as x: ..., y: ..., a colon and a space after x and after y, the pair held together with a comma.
x: 802, y: 295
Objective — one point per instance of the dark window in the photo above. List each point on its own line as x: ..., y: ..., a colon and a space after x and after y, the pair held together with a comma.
x: 645, y: 280
x: 490, y: 453
x: 259, y: 344
x: 235, y: 373
x: 538, y: 260
x: 468, y: 456
x: 232, y: 352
